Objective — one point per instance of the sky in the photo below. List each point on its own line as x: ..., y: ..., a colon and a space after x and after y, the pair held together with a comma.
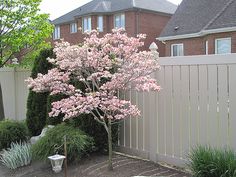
x: 56, y: 8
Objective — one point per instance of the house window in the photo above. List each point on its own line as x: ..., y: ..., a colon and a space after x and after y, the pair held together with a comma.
x: 119, y: 21
x: 100, y: 23
x: 73, y: 28
x: 87, y: 24
x: 177, y: 50
x: 56, y: 33
x: 223, y: 46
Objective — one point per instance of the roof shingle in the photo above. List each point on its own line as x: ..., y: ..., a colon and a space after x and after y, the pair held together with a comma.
x: 193, y: 16
x: 110, y: 6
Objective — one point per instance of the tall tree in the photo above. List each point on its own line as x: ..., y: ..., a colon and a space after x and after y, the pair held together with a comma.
x: 104, y: 65
x: 23, y: 31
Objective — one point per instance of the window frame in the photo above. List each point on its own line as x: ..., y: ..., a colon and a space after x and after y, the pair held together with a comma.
x: 90, y: 20
x: 172, y: 47
x: 98, y: 24
x: 73, y: 26
x: 57, y: 32
x: 216, y: 45
x: 119, y: 15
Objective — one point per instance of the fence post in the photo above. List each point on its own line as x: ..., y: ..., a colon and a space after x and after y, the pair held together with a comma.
x: 153, y: 114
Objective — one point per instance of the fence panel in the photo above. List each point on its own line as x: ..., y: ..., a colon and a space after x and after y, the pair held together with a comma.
x: 212, y: 108
x: 196, y: 106
x: 161, y: 104
x: 140, y: 123
x: 14, y: 92
x: 185, y: 109
x: 134, y: 130
x: 232, y: 106
x: 127, y: 124
x: 203, y: 103
x: 177, y: 120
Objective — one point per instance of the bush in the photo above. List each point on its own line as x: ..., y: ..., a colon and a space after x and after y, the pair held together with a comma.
x: 37, y: 102
x: 209, y: 162
x: 12, y: 131
x: 18, y: 155
x: 96, y: 130
x: 78, y: 143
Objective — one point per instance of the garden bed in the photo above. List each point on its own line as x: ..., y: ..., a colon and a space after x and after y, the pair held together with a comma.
x: 96, y: 166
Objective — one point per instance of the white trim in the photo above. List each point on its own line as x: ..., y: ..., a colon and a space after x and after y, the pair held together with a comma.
x: 172, y: 46
x: 206, y: 47
x: 199, y: 34
x: 216, y: 44
x: 220, y: 59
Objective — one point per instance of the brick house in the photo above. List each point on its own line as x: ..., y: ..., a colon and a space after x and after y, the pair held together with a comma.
x: 136, y: 16
x: 201, y: 27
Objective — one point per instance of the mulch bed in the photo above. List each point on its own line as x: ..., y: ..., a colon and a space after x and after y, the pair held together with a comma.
x: 96, y: 166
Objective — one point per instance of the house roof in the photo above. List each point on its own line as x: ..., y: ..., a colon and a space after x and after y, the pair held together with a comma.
x: 109, y: 6
x: 196, y: 17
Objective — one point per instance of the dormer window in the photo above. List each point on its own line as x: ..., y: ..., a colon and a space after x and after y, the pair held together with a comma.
x: 87, y: 26
x: 73, y: 28
x: 119, y: 21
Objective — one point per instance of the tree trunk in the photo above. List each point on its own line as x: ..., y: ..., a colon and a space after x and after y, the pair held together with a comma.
x: 1, y: 105
x: 110, y: 146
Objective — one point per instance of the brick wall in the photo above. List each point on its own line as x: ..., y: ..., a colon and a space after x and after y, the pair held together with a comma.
x: 152, y: 24
x: 196, y: 46
x: 135, y: 22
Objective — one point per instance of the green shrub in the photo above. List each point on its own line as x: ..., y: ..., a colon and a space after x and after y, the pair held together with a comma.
x: 37, y: 102
x: 78, y: 144
x: 12, y: 131
x: 17, y: 156
x: 210, y: 162
x: 94, y: 129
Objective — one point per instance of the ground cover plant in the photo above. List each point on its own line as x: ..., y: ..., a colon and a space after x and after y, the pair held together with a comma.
x: 12, y: 132
x: 104, y: 66
x: 78, y: 145
x: 18, y: 155
x: 210, y: 162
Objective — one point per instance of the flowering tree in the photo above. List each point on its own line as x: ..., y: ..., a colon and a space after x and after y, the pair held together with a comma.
x: 104, y: 65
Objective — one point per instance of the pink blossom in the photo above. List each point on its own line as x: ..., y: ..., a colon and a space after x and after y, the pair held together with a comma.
x: 104, y: 65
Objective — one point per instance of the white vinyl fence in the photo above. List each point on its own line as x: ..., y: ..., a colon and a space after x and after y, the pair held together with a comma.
x: 14, y: 92
x: 196, y: 106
